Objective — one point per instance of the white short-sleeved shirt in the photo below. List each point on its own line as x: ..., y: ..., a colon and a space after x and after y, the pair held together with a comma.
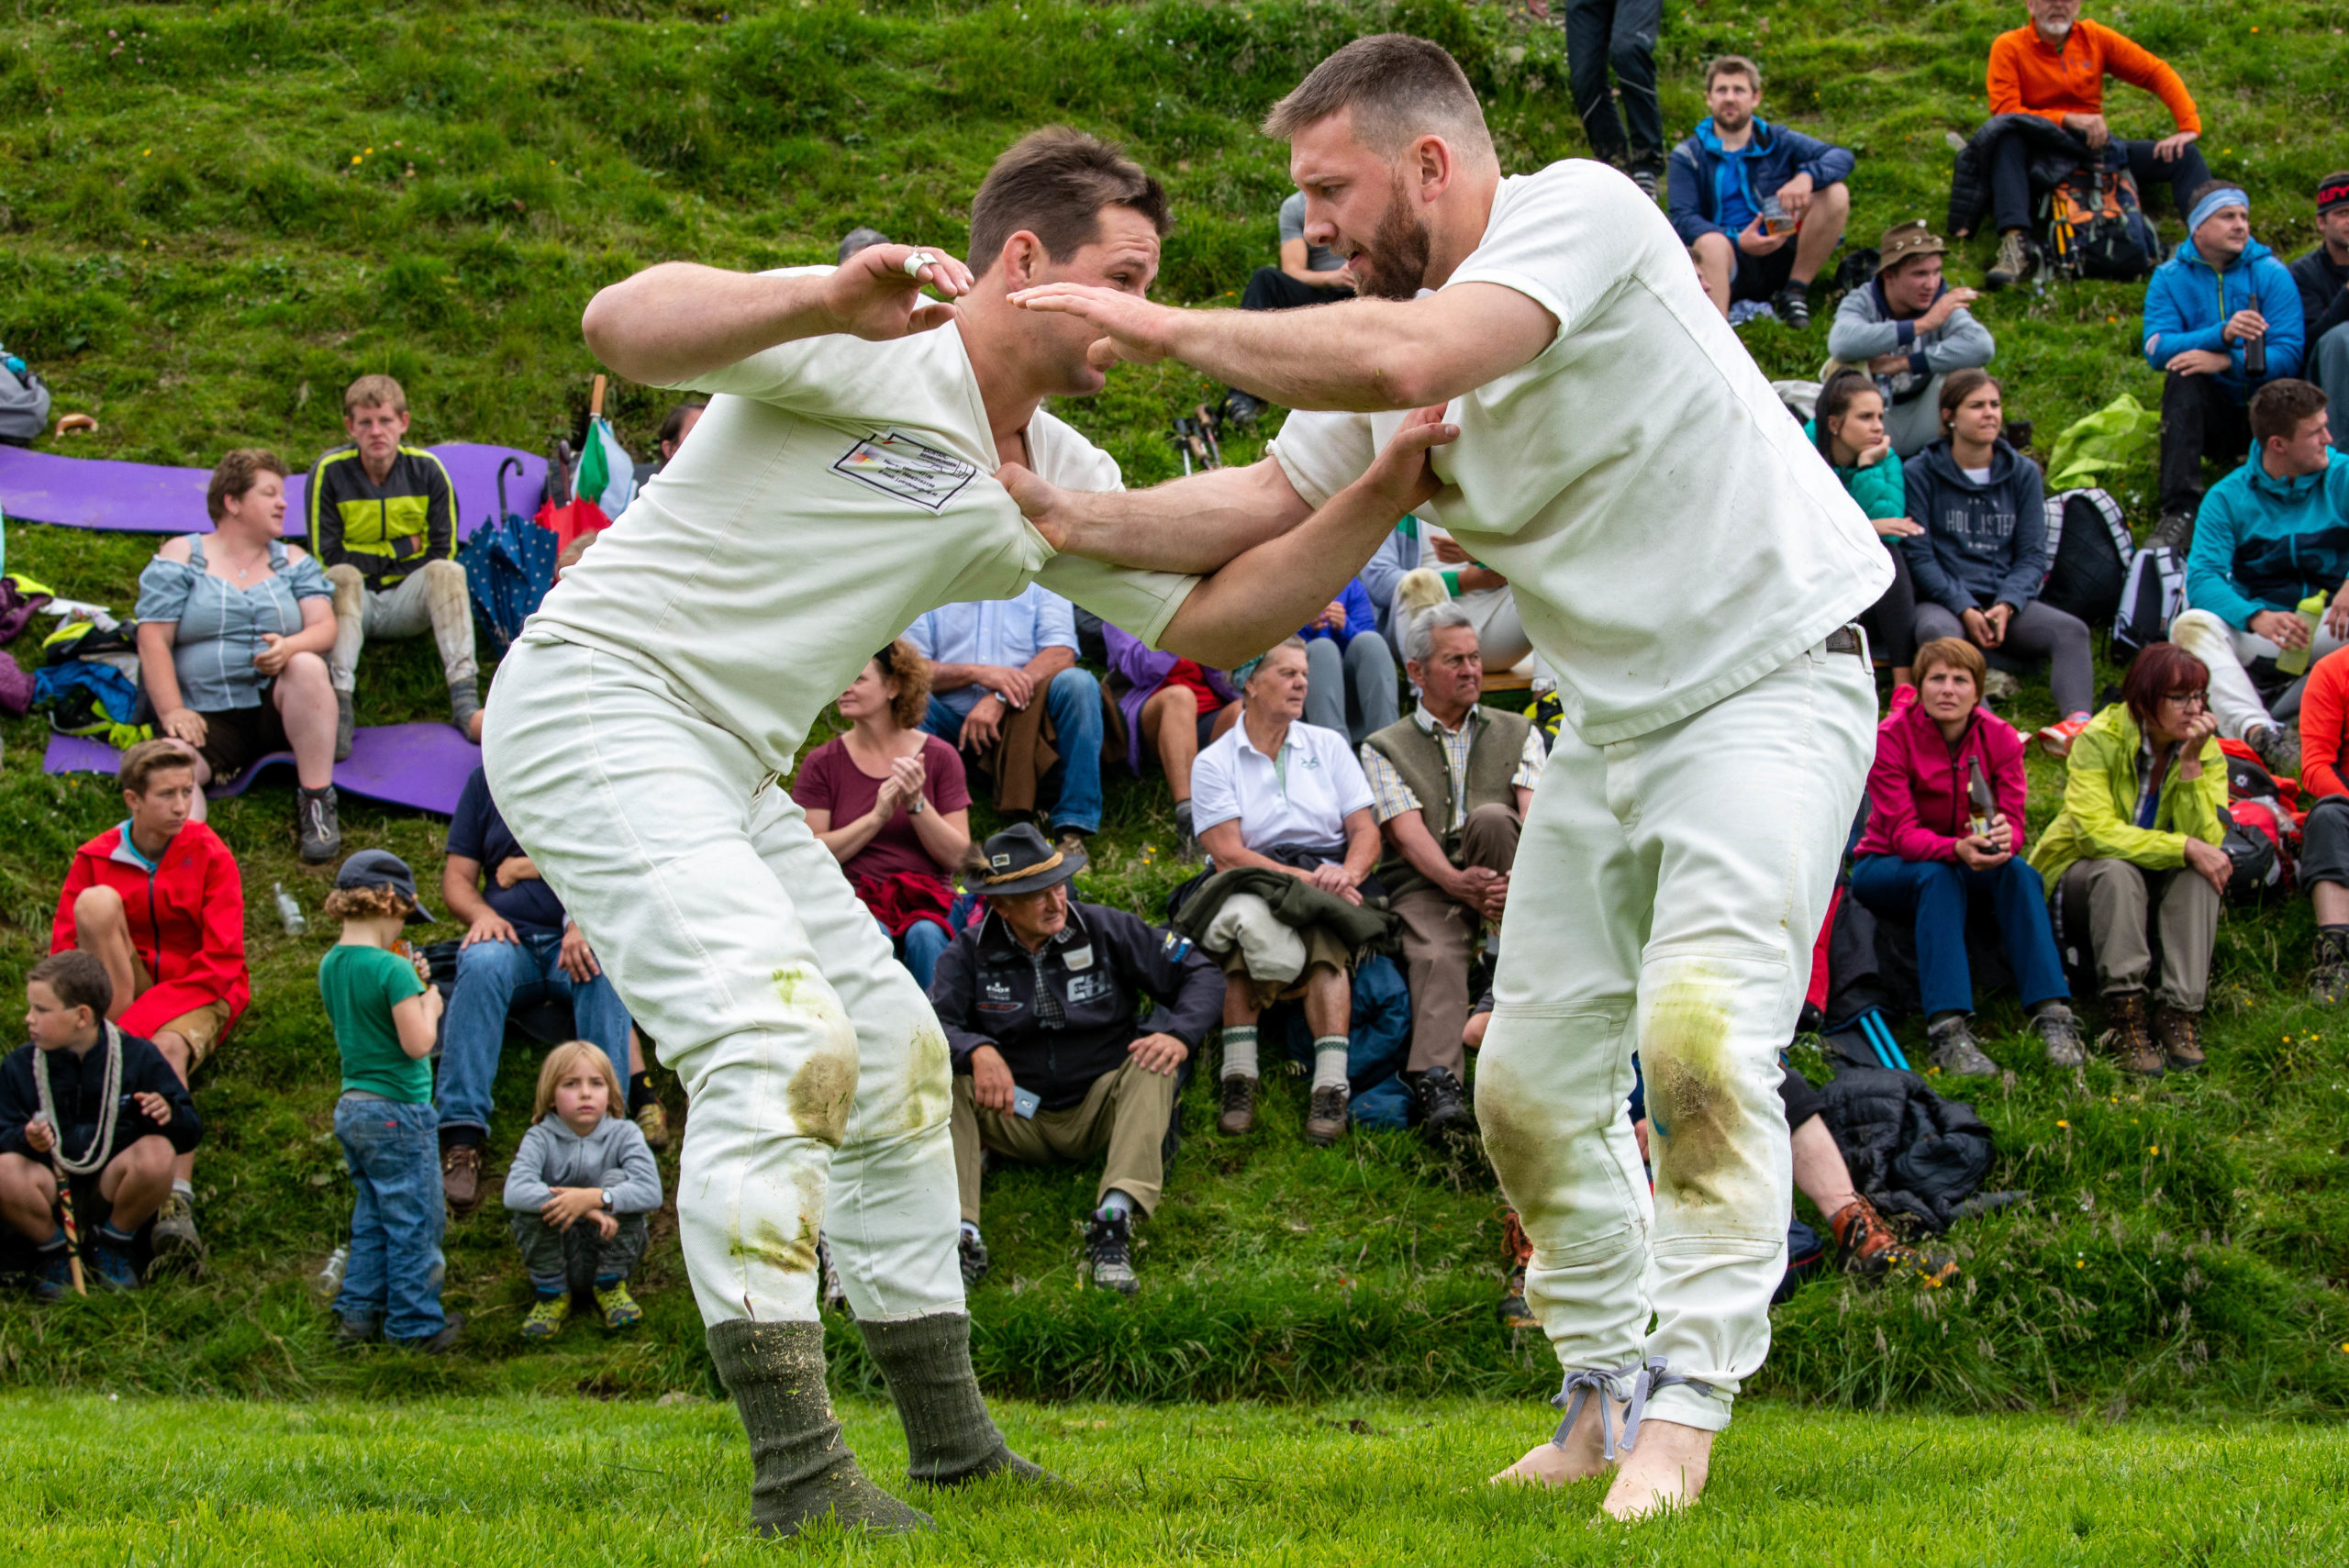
x: 1670, y: 535
x: 1302, y: 799
x: 834, y: 490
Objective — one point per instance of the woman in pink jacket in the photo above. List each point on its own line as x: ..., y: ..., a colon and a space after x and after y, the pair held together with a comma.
x: 1945, y: 828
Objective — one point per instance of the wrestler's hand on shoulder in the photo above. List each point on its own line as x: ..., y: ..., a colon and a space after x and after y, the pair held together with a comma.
x: 873, y: 295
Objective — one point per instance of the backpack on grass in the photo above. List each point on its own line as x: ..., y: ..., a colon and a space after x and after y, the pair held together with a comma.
x: 2151, y: 596
x: 2092, y: 226
x: 2089, y: 549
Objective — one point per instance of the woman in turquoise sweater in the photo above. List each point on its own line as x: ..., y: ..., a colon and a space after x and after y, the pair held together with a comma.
x: 1849, y: 430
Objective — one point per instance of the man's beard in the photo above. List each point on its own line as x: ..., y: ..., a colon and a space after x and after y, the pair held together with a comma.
x: 1397, y: 252
x: 2055, y: 32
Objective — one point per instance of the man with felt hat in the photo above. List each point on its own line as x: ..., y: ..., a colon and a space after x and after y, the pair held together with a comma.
x: 1909, y: 328
x: 1051, y: 1058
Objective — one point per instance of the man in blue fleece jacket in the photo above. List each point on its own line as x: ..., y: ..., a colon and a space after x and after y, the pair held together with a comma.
x: 1725, y: 178
x: 2272, y: 533
x: 2220, y: 293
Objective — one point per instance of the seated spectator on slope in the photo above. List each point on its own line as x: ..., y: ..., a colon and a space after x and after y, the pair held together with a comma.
x: 383, y: 523
x: 2220, y: 293
x: 2144, y: 812
x: 1041, y: 1004
x: 1004, y: 684
x: 159, y: 902
x: 1308, y: 274
x: 1908, y: 329
x: 674, y: 428
x: 1399, y: 554
x: 2273, y: 533
x: 1174, y: 707
x: 56, y: 1116
x: 1981, y: 560
x: 888, y: 800
x: 2322, y: 276
x: 520, y: 949
x: 582, y: 1182
x: 2054, y: 69
x: 1350, y: 667
x: 1848, y: 428
x: 2324, y: 831
x: 234, y: 632
x: 1279, y: 797
x: 859, y: 239
x: 1450, y: 784
x: 1930, y: 852
x: 1760, y: 207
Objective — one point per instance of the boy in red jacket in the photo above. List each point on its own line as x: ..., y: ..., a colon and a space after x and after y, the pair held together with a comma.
x: 158, y: 900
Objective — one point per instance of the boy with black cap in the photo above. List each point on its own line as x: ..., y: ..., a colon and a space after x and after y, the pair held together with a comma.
x: 385, y: 1016
x: 2323, y: 277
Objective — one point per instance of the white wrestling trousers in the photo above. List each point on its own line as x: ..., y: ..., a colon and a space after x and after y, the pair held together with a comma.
x: 819, y: 1075
x: 1667, y: 892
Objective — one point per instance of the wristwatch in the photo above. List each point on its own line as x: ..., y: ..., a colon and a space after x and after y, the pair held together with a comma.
x: 607, y: 1198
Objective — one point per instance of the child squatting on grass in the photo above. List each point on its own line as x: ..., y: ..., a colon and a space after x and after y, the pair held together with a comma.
x: 581, y: 1183
x: 101, y: 1107
x: 384, y: 1020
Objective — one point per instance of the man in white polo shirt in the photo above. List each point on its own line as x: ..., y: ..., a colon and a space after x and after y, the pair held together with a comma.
x: 1689, y: 567
x: 840, y: 484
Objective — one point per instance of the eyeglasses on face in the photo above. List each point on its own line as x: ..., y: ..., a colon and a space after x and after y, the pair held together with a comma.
x: 2193, y: 700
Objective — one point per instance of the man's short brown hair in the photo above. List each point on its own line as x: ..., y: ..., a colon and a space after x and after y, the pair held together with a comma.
x: 1732, y: 66
x: 139, y: 765
x: 234, y: 474
x: 1053, y: 182
x: 1397, y: 86
x: 2278, y: 409
x: 77, y: 980
x: 373, y: 391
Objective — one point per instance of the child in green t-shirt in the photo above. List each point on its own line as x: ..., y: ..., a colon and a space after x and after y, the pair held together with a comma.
x: 386, y: 1017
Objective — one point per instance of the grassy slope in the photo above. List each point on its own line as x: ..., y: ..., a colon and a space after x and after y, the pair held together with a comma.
x: 507, y: 1481
x: 194, y: 254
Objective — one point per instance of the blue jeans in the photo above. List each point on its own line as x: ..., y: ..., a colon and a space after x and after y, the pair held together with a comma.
x: 494, y: 981
x: 1936, y: 893
x: 1074, y: 784
x: 919, y: 948
x: 393, y: 1270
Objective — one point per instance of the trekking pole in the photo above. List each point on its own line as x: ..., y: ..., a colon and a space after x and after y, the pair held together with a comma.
x: 65, y: 1213
x: 1207, y: 429
x: 595, y: 399
x: 1182, y: 445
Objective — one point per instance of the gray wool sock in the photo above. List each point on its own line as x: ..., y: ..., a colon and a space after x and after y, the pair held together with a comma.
x: 950, y: 1438
x: 1239, y: 1050
x: 1329, y: 1061
x: 801, y: 1470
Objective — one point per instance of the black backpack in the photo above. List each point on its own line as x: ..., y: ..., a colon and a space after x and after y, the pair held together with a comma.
x: 2092, y: 226
x: 2150, y: 600
x: 2089, y: 549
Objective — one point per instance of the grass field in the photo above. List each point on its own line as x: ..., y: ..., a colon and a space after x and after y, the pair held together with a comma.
x: 533, y: 1482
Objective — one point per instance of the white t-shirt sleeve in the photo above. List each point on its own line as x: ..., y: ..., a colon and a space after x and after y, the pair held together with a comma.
x: 1322, y: 453
x: 1352, y: 784
x: 1552, y: 240
x: 1215, y: 793
x: 780, y: 375
x: 1136, y: 601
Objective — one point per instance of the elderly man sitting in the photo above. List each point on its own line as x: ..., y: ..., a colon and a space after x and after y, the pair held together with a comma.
x: 1284, y: 811
x: 1450, y: 782
x: 1051, y: 1061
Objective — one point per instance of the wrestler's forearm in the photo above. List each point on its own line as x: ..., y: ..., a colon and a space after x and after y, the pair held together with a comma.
x: 677, y: 320
x: 1190, y: 525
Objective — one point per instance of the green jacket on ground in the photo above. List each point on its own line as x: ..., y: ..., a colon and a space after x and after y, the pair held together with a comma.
x: 2099, y: 817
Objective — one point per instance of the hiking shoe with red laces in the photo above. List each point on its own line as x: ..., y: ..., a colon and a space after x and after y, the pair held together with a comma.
x: 460, y: 1178
x: 1871, y: 1252
x: 2057, y: 738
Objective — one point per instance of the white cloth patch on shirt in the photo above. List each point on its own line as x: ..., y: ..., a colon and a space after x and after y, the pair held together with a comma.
x: 898, y: 465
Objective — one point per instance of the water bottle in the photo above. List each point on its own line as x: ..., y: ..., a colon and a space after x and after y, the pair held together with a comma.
x: 289, y: 912
x: 329, y: 1282
x: 2292, y: 661
x: 2254, y: 368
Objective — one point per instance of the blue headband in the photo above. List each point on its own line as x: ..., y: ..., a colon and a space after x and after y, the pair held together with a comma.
x: 2217, y: 201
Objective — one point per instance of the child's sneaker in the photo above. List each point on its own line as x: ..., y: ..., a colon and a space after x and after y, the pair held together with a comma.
x: 547, y: 1316
x: 112, y: 1266
x: 620, y: 1310
x: 2057, y: 738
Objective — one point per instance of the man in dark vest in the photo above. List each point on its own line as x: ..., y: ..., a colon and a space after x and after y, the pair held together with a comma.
x: 1452, y: 781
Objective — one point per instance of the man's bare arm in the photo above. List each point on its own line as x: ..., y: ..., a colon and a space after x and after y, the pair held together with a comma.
x: 678, y: 320
x: 1188, y: 526
x: 1361, y: 355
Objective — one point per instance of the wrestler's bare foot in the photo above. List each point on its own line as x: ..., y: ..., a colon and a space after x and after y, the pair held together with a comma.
x: 1665, y: 1472
x: 1583, y: 1457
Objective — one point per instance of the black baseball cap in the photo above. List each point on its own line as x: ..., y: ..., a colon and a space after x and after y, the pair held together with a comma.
x: 381, y: 868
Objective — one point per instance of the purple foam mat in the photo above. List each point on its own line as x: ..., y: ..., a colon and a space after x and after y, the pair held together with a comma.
x: 421, y: 766
x: 142, y: 497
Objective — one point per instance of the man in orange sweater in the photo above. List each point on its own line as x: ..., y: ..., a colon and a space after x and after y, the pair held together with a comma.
x: 2055, y: 68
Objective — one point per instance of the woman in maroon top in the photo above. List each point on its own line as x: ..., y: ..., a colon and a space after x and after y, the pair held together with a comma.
x: 892, y: 805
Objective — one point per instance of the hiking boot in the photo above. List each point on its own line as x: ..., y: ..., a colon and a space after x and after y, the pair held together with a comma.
x: 1444, y: 1104
x: 653, y: 1122
x: 1067, y: 839
x: 972, y: 1252
x: 547, y: 1316
x: 801, y: 1472
x: 2175, y: 532
x: 1954, y: 1051
x: 1325, y: 1115
x: 2179, y: 1033
x: 620, y: 1310
x: 464, y: 711
x: 2131, y: 1038
x: 2056, y: 1025
x: 318, y: 830
x: 1792, y: 304
x: 343, y: 724
x: 2015, y: 261
x: 950, y: 1441
x: 460, y: 1178
x: 1648, y: 175
x: 1239, y: 1113
x: 2279, y: 746
x: 173, y: 1243
x: 353, y: 1330
x: 2329, y: 978
x: 110, y: 1261
x: 441, y: 1343
x: 52, y: 1276
x: 1871, y: 1250
x: 1108, y: 1242
x: 1240, y: 408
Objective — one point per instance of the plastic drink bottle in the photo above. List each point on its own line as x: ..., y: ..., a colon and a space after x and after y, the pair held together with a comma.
x: 2292, y: 661
x: 289, y: 910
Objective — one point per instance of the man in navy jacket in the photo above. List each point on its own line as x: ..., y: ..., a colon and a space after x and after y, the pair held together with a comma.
x: 1727, y: 177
